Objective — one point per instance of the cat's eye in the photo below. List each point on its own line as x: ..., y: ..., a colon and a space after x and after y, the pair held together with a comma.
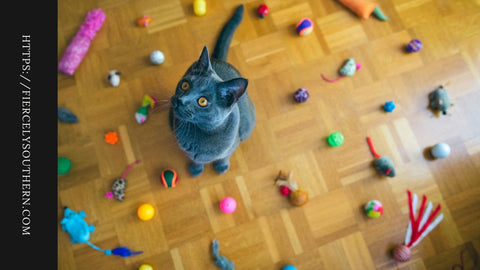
x: 185, y: 86
x: 202, y: 101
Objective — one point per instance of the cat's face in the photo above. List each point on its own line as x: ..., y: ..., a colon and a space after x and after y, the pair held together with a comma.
x: 202, y: 97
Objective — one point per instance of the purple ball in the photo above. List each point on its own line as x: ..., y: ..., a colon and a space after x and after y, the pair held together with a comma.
x: 414, y: 45
x: 301, y: 95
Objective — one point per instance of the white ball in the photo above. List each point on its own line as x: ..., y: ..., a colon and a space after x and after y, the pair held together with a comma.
x: 440, y: 150
x: 157, y: 57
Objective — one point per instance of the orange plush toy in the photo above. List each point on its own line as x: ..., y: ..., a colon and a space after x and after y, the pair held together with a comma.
x: 364, y: 8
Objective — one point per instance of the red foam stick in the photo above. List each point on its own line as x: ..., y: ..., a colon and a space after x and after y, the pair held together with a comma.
x: 370, y: 145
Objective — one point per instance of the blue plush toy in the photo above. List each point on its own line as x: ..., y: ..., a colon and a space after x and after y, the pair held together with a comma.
x: 79, y: 231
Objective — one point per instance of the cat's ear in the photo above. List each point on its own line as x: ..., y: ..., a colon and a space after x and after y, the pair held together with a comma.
x: 204, y: 60
x: 232, y: 90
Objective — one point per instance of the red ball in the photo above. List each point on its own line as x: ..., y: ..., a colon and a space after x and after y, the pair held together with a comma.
x: 402, y: 253
x: 262, y: 10
x: 285, y: 190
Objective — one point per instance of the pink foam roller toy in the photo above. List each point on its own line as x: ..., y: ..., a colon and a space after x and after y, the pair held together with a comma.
x: 79, y: 45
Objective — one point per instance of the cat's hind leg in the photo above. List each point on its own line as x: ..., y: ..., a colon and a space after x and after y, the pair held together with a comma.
x: 222, y: 165
x: 195, y: 168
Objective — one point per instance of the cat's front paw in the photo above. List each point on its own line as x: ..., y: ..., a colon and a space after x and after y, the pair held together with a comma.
x: 195, y: 169
x: 221, y: 166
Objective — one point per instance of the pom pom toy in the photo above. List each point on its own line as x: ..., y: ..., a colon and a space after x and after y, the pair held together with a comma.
x: 199, y: 7
x: 414, y: 45
x: 74, y: 224
x: 439, y: 100
x: 111, y: 137
x: 304, y: 27
x: 228, y: 205
x: 301, y: 95
x: 262, y: 11
x: 145, y: 212
x: 119, y: 185
x: 373, y: 209
x: 114, y: 77
x: 297, y: 196
x: 65, y: 115
x: 221, y: 261
x: 335, y: 139
x: 145, y: 267
x: 64, y: 165
x: 169, y: 178
x: 440, y: 150
x: 78, y: 47
x: 383, y: 165
x: 157, y: 57
x: 389, y: 106
x: 421, y: 223
x: 348, y: 69
x: 144, y: 21
x: 364, y: 9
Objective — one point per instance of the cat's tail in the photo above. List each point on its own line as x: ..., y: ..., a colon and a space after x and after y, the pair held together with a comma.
x: 225, y: 37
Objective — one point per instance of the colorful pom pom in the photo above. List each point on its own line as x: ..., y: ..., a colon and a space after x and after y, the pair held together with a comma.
x: 374, y: 209
x: 389, y: 106
x: 414, y: 45
x: 111, y: 137
x: 301, y: 95
x: 304, y: 26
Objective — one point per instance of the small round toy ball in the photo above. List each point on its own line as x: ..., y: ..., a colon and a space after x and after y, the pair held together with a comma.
x: 145, y: 267
x: 389, y: 106
x: 304, y: 27
x: 262, y: 11
x: 440, y: 150
x: 199, y: 7
x: 228, y: 205
x: 298, y: 197
x: 289, y: 267
x: 145, y: 211
x: 414, y: 45
x: 335, y: 139
x: 157, y: 57
x: 64, y: 165
x: 169, y: 178
x: 144, y: 21
x: 301, y: 95
x: 402, y: 253
x: 374, y: 209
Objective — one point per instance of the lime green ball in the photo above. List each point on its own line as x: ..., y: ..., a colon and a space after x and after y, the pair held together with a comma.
x: 335, y: 139
x: 64, y: 165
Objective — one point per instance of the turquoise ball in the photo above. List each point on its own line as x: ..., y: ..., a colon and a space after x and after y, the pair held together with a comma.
x: 64, y: 165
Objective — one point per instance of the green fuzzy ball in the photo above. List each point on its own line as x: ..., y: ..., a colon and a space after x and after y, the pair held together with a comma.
x: 335, y: 139
x: 64, y: 165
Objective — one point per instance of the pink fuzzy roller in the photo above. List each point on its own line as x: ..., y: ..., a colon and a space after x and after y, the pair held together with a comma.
x: 79, y: 45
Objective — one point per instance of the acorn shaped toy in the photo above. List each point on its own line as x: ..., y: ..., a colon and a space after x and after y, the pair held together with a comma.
x: 296, y: 196
x: 383, y: 165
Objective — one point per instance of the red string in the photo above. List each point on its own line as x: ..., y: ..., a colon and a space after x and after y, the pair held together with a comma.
x: 128, y: 169
x: 330, y: 80
x: 412, y: 218
x: 475, y: 262
x: 370, y: 144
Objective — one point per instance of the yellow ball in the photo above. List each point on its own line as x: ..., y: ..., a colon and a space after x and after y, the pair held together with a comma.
x: 146, y: 211
x: 145, y: 267
x: 199, y: 7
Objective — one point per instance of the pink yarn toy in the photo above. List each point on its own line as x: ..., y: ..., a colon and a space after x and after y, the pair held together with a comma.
x: 79, y: 45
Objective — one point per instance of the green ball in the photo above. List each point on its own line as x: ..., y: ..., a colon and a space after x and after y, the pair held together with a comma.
x: 335, y: 139
x: 64, y: 165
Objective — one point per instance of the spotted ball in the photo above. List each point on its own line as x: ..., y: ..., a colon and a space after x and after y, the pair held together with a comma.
x: 414, y: 45
x: 301, y: 95
x: 402, y: 253
x: 304, y: 26
x: 374, y: 209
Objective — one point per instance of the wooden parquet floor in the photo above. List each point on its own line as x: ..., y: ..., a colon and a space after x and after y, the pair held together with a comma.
x: 331, y: 231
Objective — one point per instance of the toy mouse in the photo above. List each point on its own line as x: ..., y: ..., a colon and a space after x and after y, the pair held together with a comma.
x: 383, y: 165
x: 114, y: 77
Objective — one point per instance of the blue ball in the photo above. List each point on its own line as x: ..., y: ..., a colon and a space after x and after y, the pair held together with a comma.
x: 289, y: 267
x: 414, y: 45
x: 304, y: 26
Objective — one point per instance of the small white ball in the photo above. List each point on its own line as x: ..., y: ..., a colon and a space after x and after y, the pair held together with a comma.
x: 157, y: 57
x: 440, y: 150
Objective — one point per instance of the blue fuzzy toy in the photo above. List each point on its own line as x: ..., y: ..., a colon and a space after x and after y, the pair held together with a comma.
x: 220, y: 260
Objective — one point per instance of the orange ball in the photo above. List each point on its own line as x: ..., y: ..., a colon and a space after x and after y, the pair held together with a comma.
x: 146, y: 211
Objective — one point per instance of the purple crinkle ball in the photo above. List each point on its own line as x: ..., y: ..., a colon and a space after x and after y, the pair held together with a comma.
x: 301, y: 95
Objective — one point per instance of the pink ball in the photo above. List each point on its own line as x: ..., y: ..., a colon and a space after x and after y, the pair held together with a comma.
x: 228, y: 205
x: 402, y: 253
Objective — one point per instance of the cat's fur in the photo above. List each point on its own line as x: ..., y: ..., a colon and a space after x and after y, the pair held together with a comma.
x: 210, y: 134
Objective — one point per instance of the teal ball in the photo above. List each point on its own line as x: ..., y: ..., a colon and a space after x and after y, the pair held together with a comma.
x: 64, y: 165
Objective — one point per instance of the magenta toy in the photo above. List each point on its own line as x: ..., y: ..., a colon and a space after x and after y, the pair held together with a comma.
x: 228, y: 205
x: 80, y: 44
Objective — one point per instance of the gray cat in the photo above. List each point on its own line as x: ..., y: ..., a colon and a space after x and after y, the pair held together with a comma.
x: 211, y: 112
